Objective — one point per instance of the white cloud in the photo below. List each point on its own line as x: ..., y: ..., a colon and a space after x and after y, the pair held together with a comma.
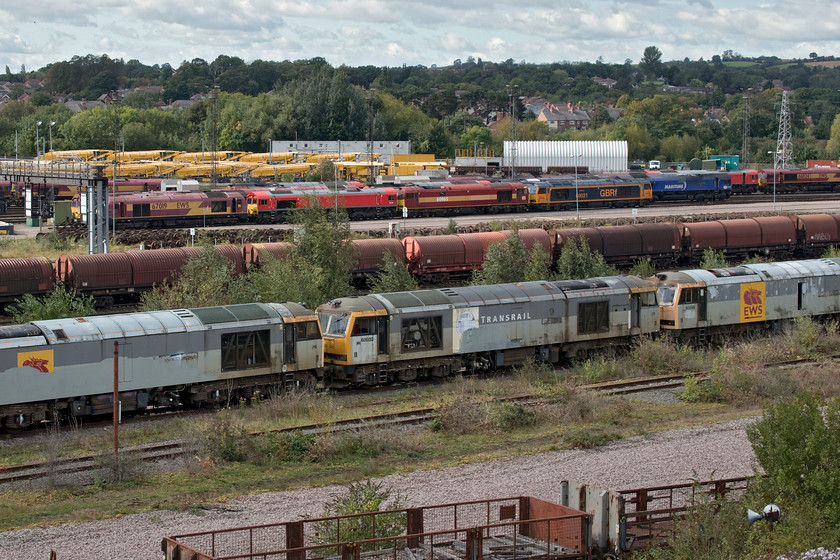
x: 396, y: 32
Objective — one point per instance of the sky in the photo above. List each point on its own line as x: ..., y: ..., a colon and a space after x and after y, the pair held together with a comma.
x: 412, y: 32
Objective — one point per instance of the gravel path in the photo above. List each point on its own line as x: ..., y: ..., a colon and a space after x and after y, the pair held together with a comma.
x: 676, y: 456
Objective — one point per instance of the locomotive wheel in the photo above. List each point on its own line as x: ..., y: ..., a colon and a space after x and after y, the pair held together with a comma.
x: 17, y: 422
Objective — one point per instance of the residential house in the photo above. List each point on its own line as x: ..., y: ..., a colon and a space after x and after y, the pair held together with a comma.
x: 560, y: 118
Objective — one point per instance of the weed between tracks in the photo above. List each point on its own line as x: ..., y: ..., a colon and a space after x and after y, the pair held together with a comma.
x: 474, y: 424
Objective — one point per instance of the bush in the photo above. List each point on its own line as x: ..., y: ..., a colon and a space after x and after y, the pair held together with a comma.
x: 510, y: 415
x: 807, y: 338
x: 596, y: 369
x: 62, y: 302
x: 660, y: 356
x: 713, y: 259
x: 796, y: 443
x: 226, y: 438
x: 710, y: 390
x: 643, y: 269
x: 578, y: 261
x: 360, y: 498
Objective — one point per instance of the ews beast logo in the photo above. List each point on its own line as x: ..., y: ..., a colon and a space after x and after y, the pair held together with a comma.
x: 41, y: 360
x: 753, y: 302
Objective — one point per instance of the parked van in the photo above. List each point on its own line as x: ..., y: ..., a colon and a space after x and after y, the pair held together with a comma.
x: 654, y: 164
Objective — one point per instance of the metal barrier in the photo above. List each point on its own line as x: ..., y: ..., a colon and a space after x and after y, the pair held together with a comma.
x: 505, y: 529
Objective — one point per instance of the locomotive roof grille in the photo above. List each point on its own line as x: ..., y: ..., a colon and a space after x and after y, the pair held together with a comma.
x: 19, y: 331
x: 572, y: 285
x: 418, y: 298
x: 732, y: 271
x: 233, y: 313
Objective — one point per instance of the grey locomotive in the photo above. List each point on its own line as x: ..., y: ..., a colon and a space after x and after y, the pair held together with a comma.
x: 374, y: 339
x: 54, y: 368
x: 701, y: 305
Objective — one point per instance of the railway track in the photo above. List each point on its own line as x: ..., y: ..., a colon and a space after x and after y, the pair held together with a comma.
x: 98, y: 462
x: 640, y: 385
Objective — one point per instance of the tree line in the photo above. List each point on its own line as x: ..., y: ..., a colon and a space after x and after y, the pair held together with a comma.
x: 438, y: 109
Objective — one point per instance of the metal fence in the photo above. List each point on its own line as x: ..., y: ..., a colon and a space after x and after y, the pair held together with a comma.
x: 511, y: 528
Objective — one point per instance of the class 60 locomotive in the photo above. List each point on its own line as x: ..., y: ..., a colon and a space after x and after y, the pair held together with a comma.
x: 54, y: 369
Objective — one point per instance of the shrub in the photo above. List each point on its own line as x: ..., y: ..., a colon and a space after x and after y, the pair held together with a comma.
x: 710, y: 390
x: 225, y: 437
x: 660, y: 356
x: 510, y: 415
x: 713, y: 259
x: 62, y: 302
x: 595, y: 369
x: 643, y: 269
x: 360, y: 498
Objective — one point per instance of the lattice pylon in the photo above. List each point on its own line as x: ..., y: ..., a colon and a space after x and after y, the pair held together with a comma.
x: 783, y: 158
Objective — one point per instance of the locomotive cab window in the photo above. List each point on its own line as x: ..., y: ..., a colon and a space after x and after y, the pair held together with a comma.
x: 334, y: 325
x: 308, y: 330
x: 364, y: 325
x: 594, y: 317
x: 244, y: 350
x: 666, y: 295
x: 219, y: 206
x: 691, y: 295
x: 648, y: 299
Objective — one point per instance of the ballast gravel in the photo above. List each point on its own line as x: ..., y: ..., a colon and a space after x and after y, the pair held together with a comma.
x: 672, y: 457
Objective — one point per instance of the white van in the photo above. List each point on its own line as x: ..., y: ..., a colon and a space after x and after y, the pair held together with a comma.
x: 654, y: 164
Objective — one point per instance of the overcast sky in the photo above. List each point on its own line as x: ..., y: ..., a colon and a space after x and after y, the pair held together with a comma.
x: 426, y: 32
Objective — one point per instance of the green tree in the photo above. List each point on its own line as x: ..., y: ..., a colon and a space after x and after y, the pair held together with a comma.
x: 325, y: 171
x: 62, y: 302
x: 832, y: 147
x: 504, y: 262
x: 205, y: 280
x: 796, y: 444
x: 643, y: 268
x: 394, y: 277
x: 599, y: 117
x: 319, y: 265
x: 651, y: 62
x: 713, y: 258
x: 539, y: 264
x: 577, y: 261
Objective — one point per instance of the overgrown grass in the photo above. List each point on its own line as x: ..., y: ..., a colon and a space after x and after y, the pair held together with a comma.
x: 226, y: 460
x: 49, y: 245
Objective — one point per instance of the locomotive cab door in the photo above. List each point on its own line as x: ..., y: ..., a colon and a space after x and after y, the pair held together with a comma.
x: 634, y: 313
x: 289, y: 343
x: 382, y: 334
x: 692, y: 307
x: 364, y: 340
x: 308, y: 345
